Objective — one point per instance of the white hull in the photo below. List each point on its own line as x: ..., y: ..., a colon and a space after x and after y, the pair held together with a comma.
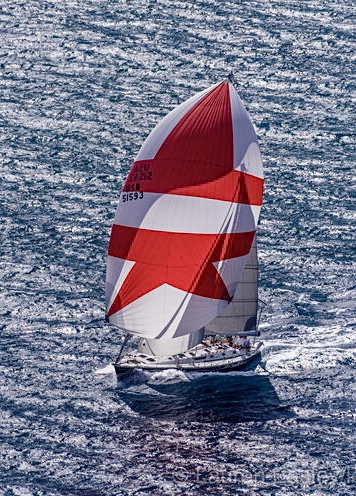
x: 201, y: 358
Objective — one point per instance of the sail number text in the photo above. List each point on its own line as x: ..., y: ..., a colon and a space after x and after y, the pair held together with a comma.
x: 140, y: 172
x: 132, y: 196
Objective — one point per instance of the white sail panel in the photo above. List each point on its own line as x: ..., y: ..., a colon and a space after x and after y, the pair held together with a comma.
x: 231, y: 270
x: 252, y: 161
x: 182, y: 310
x: 171, y: 346
x: 241, y: 314
x: 247, y: 155
x: 177, y: 213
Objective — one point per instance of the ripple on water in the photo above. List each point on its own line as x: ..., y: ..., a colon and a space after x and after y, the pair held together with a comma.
x: 83, y: 83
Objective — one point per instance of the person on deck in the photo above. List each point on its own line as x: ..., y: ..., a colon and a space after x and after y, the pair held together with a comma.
x: 244, y: 342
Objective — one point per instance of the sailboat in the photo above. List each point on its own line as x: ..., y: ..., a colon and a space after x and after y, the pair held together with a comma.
x: 182, y: 269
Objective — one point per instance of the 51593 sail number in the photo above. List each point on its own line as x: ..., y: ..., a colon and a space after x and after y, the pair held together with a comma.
x: 132, y: 196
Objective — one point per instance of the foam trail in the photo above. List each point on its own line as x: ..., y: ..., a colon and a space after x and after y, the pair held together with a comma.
x: 170, y: 375
x: 107, y: 370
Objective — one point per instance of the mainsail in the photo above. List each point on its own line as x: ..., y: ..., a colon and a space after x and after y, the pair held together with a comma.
x: 240, y: 315
x: 186, y: 219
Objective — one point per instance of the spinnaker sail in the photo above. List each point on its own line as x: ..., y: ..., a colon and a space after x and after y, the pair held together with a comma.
x: 186, y: 219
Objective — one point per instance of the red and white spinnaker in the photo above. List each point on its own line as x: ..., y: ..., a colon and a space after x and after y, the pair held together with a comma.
x: 186, y: 218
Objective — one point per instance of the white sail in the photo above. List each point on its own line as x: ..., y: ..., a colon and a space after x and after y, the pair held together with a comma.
x: 240, y: 315
x: 161, y: 347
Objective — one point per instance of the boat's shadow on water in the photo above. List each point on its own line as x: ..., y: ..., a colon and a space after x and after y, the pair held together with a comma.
x: 237, y: 397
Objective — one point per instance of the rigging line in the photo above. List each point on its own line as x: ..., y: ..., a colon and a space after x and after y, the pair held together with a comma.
x: 127, y: 338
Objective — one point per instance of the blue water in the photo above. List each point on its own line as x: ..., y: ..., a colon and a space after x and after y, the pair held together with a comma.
x: 82, y: 84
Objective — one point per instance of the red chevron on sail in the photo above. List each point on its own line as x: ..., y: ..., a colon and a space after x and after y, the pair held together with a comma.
x: 184, y: 261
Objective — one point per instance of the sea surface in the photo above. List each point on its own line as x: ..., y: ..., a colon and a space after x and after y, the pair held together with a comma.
x: 82, y: 83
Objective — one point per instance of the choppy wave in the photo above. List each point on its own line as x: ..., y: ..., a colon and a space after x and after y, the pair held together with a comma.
x: 82, y: 85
